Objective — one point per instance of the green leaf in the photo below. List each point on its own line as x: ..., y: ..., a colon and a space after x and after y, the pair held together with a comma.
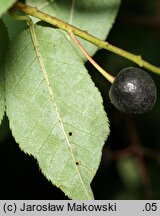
x: 55, y: 110
x: 5, y: 5
x: 11, y: 24
x: 3, y: 48
x: 95, y: 17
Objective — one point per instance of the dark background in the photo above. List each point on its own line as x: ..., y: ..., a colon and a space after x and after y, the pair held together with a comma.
x: 130, y: 166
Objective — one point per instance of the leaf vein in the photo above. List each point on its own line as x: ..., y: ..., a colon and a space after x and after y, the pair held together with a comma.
x: 21, y: 77
x: 49, y: 133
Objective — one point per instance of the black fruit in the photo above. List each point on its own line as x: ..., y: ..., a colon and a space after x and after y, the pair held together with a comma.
x: 133, y: 91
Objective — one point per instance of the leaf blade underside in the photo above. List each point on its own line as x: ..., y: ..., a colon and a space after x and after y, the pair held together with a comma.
x: 54, y: 109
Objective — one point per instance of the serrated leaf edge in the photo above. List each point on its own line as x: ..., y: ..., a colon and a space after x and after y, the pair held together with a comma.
x: 4, y: 61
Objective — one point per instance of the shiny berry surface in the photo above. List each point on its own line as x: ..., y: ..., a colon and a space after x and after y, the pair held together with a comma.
x: 133, y: 91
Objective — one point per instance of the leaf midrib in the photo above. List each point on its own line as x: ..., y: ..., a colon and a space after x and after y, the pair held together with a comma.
x: 72, y: 10
x: 44, y: 73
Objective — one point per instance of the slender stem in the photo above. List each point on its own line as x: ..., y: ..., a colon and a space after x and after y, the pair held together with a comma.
x: 109, y: 77
x: 33, y: 11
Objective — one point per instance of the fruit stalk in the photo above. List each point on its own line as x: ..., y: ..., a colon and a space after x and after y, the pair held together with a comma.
x: 109, y: 77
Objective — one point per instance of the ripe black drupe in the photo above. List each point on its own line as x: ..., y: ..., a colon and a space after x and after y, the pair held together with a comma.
x: 133, y: 91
